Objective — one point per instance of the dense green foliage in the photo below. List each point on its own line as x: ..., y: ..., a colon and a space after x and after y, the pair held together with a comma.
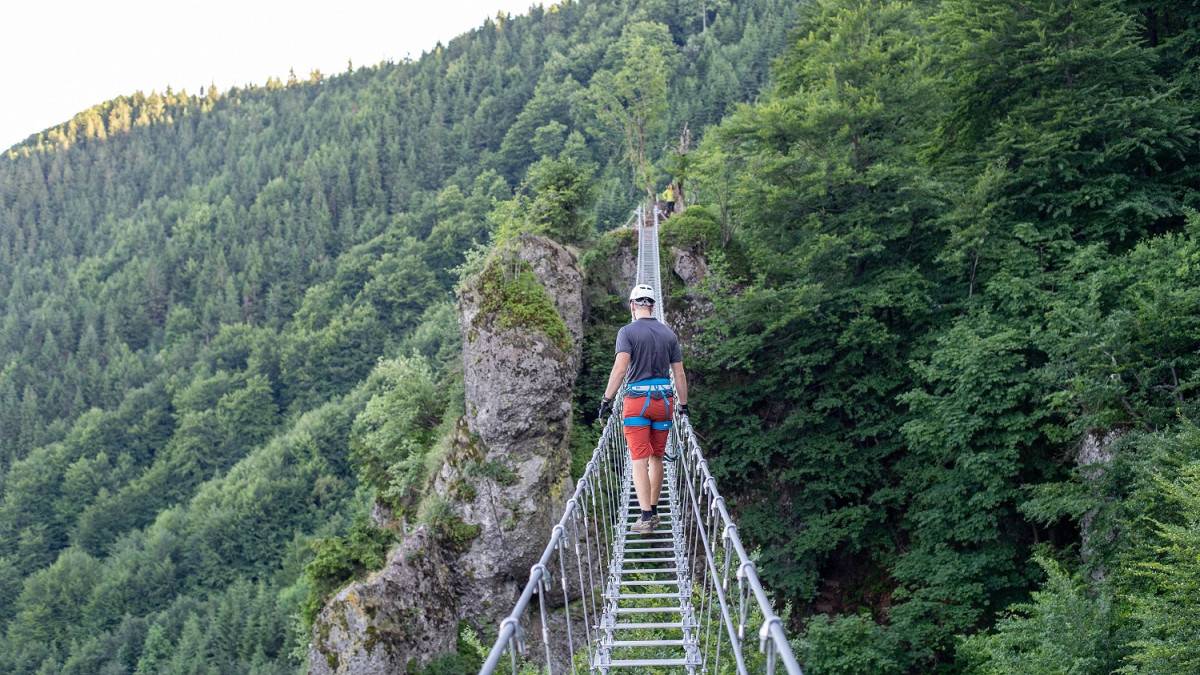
x: 337, y: 559
x: 969, y: 257
x: 948, y: 380
x: 226, y: 320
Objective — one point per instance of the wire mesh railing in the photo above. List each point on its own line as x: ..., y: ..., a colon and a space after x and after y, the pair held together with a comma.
x: 602, y: 599
x: 578, y: 556
x: 728, y: 593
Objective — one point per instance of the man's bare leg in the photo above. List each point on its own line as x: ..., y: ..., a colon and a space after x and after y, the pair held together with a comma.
x: 655, y: 479
x: 641, y: 482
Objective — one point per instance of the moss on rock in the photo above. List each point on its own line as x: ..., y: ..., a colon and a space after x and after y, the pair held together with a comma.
x: 513, y: 297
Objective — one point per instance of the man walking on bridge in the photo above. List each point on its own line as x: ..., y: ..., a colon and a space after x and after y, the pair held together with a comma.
x: 649, y: 351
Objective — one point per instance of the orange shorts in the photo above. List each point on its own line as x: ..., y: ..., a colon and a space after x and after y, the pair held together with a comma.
x: 641, y: 436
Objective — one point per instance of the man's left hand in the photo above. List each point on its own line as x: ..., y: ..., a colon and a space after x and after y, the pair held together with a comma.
x: 606, y: 405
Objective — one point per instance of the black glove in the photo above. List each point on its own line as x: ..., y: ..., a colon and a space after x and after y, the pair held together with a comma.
x: 605, y: 409
x: 683, y: 410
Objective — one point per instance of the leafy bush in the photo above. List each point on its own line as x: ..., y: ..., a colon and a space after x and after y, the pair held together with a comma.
x: 395, y: 430
x: 846, y: 645
x: 1166, y: 609
x: 1066, y: 628
x: 697, y: 227
x: 341, y: 559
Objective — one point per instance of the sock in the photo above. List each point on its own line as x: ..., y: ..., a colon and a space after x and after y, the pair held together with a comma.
x: 646, y: 515
x: 654, y: 510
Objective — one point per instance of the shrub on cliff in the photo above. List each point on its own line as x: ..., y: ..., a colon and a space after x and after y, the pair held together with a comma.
x: 514, y: 298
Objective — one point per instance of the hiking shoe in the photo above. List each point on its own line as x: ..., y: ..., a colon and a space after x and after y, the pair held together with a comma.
x: 642, y: 527
x: 654, y: 521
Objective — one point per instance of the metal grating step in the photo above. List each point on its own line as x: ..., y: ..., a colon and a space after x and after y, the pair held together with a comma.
x: 649, y: 625
x: 646, y: 643
x: 642, y: 663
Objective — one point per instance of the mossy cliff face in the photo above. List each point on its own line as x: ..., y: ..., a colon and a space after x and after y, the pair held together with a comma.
x: 501, y: 487
x: 372, y: 627
x: 520, y: 362
x: 529, y: 288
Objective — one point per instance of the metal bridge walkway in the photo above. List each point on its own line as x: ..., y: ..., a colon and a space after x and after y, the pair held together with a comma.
x: 648, y: 617
x: 684, y: 598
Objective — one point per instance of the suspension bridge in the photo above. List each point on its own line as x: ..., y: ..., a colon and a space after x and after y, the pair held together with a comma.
x: 684, y: 598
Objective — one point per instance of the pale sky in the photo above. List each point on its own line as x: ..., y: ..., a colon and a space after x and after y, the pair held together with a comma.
x: 58, y: 58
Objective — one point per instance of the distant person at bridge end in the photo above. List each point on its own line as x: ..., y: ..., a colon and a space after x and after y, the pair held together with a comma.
x: 668, y: 197
x: 649, y: 352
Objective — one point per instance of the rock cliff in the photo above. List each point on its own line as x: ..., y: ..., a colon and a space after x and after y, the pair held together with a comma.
x: 503, y: 480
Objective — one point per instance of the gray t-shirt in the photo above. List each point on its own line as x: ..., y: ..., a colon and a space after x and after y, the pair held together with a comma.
x: 652, y: 348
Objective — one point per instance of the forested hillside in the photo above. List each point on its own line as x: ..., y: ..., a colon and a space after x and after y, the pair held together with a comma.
x: 947, y: 368
x: 196, y: 292
x: 954, y: 355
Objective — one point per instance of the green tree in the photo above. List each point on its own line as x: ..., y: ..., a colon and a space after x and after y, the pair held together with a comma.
x: 554, y: 200
x: 973, y: 420
x: 629, y: 99
x: 1164, y: 608
x: 10, y: 587
x: 48, y: 609
x: 1053, y: 91
x: 156, y: 653
x: 391, y: 436
x: 1064, y: 629
x: 837, y: 224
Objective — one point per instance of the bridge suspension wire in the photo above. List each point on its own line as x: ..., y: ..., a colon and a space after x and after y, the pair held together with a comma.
x: 685, y: 597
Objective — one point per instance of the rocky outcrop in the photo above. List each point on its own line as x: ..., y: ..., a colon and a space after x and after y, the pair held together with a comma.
x: 688, y: 310
x: 518, y: 395
x: 619, y: 267
x: 557, y: 268
x: 503, y: 483
x: 689, y: 265
x: 373, y: 628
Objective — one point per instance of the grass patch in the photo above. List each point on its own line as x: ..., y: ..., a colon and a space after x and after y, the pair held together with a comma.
x: 514, y: 298
x: 449, y: 529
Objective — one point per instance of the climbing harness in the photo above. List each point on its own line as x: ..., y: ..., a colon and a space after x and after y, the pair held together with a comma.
x: 654, y: 388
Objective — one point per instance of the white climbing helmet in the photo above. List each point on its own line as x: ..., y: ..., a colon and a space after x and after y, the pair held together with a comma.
x: 642, y: 295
